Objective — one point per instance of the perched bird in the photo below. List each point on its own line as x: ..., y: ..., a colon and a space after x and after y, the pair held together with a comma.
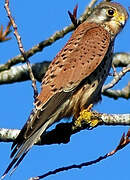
x: 75, y: 77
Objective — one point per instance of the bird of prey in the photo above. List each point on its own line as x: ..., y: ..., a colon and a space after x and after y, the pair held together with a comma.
x: 75, y: 77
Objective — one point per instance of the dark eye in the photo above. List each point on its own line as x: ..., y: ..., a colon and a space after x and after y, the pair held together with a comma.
x: 110, y: 12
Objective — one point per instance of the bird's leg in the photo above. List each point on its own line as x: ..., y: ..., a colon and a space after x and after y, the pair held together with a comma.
x: 86, y: 118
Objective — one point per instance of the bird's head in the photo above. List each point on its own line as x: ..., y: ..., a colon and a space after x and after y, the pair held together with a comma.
x: 111, y: 15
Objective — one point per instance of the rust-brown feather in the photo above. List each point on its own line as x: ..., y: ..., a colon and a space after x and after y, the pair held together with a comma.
x: 75, y: 62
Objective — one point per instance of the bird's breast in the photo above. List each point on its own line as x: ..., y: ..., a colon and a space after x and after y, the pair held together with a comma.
x: 89, y: 91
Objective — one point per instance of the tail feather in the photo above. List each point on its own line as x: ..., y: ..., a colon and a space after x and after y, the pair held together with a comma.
x: 18, y: 162
x: 21, y: 150
x: 8, y: 168
x: 38, y: 122
x: 15, y: 150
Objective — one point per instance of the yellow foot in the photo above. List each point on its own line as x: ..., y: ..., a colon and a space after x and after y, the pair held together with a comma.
x: 87, y: 118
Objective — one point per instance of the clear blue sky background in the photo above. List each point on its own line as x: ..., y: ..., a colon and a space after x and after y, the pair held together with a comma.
x: 37, y: 20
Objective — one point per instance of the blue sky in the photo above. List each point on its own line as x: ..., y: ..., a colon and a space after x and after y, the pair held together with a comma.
x: 37, y: 21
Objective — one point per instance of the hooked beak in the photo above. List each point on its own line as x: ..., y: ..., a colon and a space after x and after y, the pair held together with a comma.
x: 121, y: 20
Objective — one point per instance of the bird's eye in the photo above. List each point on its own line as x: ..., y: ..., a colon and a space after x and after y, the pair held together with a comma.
x: 111, y: 12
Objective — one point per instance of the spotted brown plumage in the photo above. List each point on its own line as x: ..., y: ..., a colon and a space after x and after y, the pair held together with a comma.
x: 75, y: 77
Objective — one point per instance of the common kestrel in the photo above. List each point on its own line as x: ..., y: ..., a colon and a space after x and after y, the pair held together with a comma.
x: 75, y: 77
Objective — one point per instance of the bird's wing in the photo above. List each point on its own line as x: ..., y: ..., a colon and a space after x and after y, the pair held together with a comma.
x: 76, y: 61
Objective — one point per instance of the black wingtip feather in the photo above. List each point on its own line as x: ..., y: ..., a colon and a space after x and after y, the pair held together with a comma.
x: 8, y: 168
x: 13, y: 145
x: 15, y: 150
x: 16, y: 165
x: 15, y: 160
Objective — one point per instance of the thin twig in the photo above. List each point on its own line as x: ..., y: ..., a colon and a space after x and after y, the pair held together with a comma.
x: 124, y: 141
x: 20, y: 45
x: 124, y: 93
x: 116, y: 78
x: 88, y: 10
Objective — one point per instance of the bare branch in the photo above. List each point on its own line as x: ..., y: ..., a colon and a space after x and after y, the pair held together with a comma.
x: 124, y: 93
x: 39, y: 47
x: 115, y: 119
x: 20, y: 73
x: 121, y: 59
x: 116, y: 78
x: 63, y: 131
x: 8, y: 135
x: 20, y: 45
x: 124, y: 141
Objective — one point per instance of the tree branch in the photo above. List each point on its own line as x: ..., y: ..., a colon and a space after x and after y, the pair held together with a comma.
x: 124, y: 93
x: 20, y: 73
x: 21, y: 49
x: 63, y: 131
x: 124, y: 141
x: 121, y: 59
x: 116, y: 78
